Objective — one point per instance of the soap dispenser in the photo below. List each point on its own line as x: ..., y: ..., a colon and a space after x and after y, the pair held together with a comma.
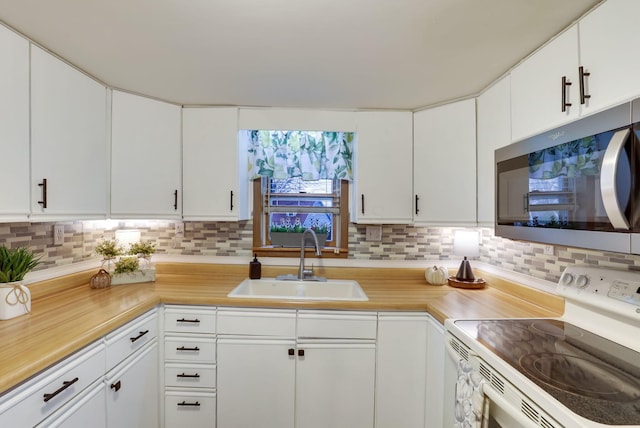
x: 255, y: 268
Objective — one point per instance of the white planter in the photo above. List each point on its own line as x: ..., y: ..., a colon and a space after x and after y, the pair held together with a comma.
x: 15, y: 300
x: 141, y: 275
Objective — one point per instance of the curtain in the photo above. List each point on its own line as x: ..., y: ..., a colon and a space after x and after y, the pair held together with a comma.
x: 312, y: 155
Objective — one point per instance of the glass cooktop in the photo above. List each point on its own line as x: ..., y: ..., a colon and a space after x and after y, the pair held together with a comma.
x: 592, y: 376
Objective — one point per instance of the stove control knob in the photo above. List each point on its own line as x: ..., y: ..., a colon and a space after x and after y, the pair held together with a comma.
x: 582, y: 281
x: 567, y: 279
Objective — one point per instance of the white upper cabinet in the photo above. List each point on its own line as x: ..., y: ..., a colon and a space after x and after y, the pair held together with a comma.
x: 69, y: 147
x: 608, y: 41
x: 537, y: 90
x: 382, y: 186
x: 214, y: 165
x: 444, y: 165
x: 145, y: 158
x: 494, y: 131
x: 14, y: 130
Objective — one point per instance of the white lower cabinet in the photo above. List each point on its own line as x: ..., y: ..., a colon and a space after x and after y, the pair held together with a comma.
x: 190, y: 370
x: 256, y: 382
x: 435, y: 374
x: 335, y: 384
x: 133, y: 386
x: 301, y: 369
x: 86, y: 410
x: 401, y: 370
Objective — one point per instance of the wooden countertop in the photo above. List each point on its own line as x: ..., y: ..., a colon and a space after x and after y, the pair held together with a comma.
x: 68, y: 315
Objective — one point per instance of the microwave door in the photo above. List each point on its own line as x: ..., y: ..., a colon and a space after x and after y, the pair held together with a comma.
x: 615, y: 178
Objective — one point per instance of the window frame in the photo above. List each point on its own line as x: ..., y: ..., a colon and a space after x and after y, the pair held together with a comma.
x: 261, y: 226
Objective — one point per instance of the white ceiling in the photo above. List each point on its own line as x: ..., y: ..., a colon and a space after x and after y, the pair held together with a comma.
x: 394, y: 54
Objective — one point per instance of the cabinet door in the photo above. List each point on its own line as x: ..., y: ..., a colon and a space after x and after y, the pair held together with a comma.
x: 401, y: 370
x: 335, y: 385
x: 14, y: 131
x: 68, y: 141
x: 608, y: 38
x: 382, y: 187
x: 536, y: 87
x: 145, y: 158
x: 256, y: 383
x: 435, y: 374
x: 214, y: 171
x: 133, y: 391
x: 85, y: 410
x: 444, y: 164
x: 494, y: 131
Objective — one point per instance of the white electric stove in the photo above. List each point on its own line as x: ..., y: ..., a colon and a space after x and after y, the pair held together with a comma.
x: 580, y: 370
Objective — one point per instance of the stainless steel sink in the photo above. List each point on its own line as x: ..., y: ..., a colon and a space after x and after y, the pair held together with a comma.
x: 271, y: 288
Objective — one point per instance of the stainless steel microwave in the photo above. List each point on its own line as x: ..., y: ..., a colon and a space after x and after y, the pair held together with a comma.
x: 575, y: 185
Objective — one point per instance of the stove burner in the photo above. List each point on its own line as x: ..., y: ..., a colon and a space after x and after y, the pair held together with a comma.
x: 546, y: 327
x: 581, y: 376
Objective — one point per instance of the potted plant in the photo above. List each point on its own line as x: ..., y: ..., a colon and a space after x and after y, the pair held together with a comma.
x: 15, y: 298
x: 109, y: 249
x: 290, y: 235
x: 143, y: 250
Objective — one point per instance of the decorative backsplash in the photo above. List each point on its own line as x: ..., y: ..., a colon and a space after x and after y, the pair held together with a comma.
x: 399, y: 242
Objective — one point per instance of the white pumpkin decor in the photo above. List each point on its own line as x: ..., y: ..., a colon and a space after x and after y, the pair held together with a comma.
x: 437, y: 275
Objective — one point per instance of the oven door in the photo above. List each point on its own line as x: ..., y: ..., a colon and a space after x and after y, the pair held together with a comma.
x: 470, y: 395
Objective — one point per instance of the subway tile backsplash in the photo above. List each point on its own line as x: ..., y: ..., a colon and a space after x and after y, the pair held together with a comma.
x: 399, y: 242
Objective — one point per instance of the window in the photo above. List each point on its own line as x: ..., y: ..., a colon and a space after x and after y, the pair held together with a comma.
x: 300, y: 182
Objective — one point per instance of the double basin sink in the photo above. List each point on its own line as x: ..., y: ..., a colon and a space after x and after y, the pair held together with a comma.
x: 274, y: 288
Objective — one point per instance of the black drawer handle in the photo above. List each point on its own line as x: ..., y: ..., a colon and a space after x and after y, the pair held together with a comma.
x: 142, y: 333
x: 116, y: 386
x: 189, y: 375
x: 184, y: 348
x: 291, y: 352
x: 300, y: 352
x: 187, y: 320
x: 65, y: 384
x: 184, y: 403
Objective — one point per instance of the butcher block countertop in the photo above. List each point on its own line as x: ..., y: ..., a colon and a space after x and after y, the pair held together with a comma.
x: 68, y: 315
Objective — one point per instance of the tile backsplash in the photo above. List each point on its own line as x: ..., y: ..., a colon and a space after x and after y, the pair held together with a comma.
x: 399, y: 242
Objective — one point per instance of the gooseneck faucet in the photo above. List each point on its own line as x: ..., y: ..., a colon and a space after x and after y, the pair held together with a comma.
x: 302, y: 272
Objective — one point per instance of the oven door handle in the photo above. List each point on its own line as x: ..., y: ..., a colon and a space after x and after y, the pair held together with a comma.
x: 512, y: 411
x: 608, y: 186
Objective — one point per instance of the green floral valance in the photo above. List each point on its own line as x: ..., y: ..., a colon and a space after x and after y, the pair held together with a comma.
x: 312, y: 155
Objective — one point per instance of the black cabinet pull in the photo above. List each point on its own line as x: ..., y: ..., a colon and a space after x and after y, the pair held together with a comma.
x: 362, y: 198
x: 300, y: 352
x: 183, y: 348
x: 43, y: 202
x: 565, y: 83
x: 231, y: 202
x: 196, y: 320
x: 116, y: 386
x: 189, y: 375
x: 291, y: 352
x: 184, y: 403
x: 417, y: 209
x: 583, y: 96
x: 142, y: 333
x: 65, y: 384
x: 175, y: 199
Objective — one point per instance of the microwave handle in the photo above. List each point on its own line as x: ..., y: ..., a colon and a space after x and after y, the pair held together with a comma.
x: 608, y: 172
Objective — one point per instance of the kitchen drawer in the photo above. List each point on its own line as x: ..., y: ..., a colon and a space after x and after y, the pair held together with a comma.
x: 26, y: 405
x: 132, y: 336
x: 190, y: 375
x: 256, y: 322
x: 337, y: 324
x: 186, y: 319
x: 86, y: 408
x: 189, y: 409
x: 194, y: 348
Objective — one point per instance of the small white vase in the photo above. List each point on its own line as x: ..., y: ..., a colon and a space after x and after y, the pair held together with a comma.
x: 15, y: 300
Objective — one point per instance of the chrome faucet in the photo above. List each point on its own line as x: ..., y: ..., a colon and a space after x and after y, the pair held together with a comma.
x: 302, y: 272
